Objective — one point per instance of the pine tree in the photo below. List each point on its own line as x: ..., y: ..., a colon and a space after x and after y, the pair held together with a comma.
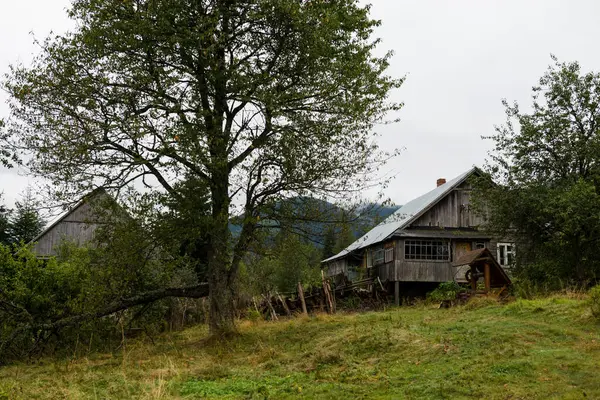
x: 329, y: 242
x: 4, y: 223
x: 26, y: 223
x: 346, y: 235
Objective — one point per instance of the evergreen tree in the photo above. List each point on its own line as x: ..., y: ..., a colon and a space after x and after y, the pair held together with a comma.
x: 26, y: 223
x: 329, y: 242
x: 346, y: 236
x: 4, y: 223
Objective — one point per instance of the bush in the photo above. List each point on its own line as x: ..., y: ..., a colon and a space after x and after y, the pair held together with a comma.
x: 595, y: 301
x: 445, y: 291
x: 81, y: 281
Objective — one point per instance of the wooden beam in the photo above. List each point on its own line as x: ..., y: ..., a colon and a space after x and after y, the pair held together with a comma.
x: 397, y: 293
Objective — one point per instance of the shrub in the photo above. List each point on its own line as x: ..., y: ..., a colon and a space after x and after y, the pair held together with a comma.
x: 595, y: 301
x: 80, y: 281
x: 253, y: 315
x: 445, y: 291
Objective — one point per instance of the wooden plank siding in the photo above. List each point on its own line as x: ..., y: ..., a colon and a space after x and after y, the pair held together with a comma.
x: 337, y: 267
x: 419, y: 271
x: 75, y: 228
x: 424, y: 271
x: 450, y: 218
x: 452, y: 211
x: 78, y: 226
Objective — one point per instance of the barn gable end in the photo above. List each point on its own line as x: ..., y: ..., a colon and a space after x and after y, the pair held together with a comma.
x: 77, y: 226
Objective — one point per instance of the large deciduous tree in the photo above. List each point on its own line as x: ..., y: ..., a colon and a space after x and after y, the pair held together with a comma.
x: 546, y: 162
x: 259, y: 100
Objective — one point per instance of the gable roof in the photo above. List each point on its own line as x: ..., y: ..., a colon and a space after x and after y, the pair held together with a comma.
x: 93, y: 194
x: 478, y: 258
x: 405, y: 215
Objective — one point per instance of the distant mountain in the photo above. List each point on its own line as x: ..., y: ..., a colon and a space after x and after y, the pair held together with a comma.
x: 311, y: 218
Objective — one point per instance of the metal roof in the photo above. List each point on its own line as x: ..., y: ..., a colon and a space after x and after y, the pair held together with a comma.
x: 404, y: 216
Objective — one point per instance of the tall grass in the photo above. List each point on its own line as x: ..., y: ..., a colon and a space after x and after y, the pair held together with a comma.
x: 534, y: 349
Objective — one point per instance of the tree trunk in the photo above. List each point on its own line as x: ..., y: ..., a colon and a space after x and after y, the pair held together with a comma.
x: 222, y: 283
x: 222, y: 303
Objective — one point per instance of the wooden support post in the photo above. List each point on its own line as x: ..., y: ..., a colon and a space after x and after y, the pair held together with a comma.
x: 327, y: 294
x: 487, y: 277
x: 397, y: 293
x: 380, y: 284
x: 473, y: 279
x: 330, y: 297
x: 302, y: 301
x: 205, y: 310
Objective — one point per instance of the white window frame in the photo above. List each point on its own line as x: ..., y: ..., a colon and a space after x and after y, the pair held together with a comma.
x: 504, y: 261
x: 378, y: 255
x: 438, y: 249
x: 369, y: 258
x: 389, y: 254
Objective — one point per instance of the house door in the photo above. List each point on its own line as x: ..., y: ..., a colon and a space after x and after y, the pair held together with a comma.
x: 460, y: 249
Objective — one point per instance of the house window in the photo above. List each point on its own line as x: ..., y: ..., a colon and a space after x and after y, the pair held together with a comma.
x: 378, y: 255
x: 506, y: 254
x: 428, y: 250
x: 369, y: 258
x: 479, y: 245
x: 389, y: 254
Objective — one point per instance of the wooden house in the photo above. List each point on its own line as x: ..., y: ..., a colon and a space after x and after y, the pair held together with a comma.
x: 414, y: 248
x: 78, y: 225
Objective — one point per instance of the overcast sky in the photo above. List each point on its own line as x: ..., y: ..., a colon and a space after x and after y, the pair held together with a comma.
x: 460, y: 58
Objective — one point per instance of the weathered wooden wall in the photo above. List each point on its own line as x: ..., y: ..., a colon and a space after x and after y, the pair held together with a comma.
x: 423, y: 271
x: 78, y: 226
x: 453, y: 211
x: 415, y: 270
x: 337, y: 267
x: 455, y: 221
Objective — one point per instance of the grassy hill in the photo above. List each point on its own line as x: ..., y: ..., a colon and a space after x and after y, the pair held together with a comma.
x: 528, y: 349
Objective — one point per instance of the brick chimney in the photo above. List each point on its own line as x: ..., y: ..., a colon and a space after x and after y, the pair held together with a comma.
x: 441, y: 181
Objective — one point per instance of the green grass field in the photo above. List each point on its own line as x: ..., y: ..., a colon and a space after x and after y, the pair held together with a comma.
x: 527, y: 349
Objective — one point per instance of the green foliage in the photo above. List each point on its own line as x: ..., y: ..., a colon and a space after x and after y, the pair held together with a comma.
x: 26, y: 222
x: 329, y: 243
x: 595, y: 301
x: 345, y: 236
x: 5, y: 237
x: 82, y: 281
x: 257, y: 100
x: 546, y: 168
x: 445, y: 291
x: 287, y: 261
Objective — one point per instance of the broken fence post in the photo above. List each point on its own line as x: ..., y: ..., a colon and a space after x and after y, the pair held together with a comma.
x: 284, y: 304
x: 302, y: 301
